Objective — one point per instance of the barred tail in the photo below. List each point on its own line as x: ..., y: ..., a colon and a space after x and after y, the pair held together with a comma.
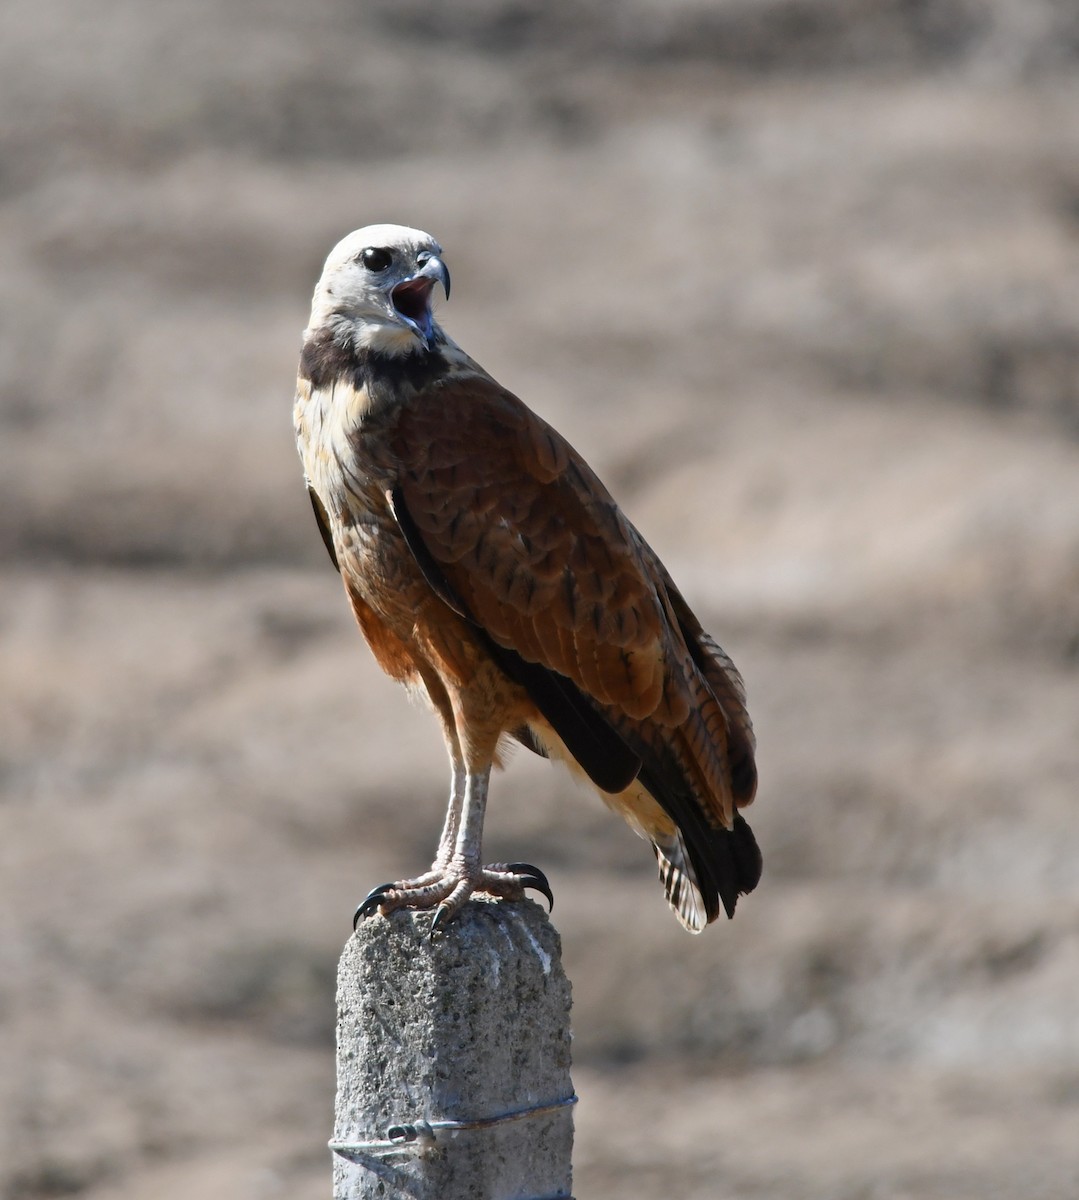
x: 679, y: 883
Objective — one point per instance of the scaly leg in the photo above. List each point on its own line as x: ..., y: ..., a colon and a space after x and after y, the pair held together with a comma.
x: 448, y: 841
x: 457, y: 871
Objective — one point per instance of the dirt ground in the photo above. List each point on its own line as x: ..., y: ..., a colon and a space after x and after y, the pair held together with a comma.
x: 801, y: 279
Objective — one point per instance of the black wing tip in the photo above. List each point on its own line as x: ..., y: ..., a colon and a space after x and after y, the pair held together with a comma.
x: 738, y: 867
x: 726, y: 863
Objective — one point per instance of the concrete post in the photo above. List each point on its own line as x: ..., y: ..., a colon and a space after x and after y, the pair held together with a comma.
x: 453, y: 1059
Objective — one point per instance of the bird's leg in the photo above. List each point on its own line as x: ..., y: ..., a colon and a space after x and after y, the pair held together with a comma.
x: 412, y: 893
x: 457, y: 872
x: 448, y: 841
x: 464, y: 863
x: 444, y: 708
x: 465, y: 866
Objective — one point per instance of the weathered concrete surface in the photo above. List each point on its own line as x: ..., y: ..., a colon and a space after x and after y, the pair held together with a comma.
x: 471, y: 1026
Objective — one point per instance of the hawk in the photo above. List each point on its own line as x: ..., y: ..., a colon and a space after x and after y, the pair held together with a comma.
x: 490, y: 571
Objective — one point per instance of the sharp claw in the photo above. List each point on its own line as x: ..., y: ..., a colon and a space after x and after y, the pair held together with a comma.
x: 533, y: 877
x: 371, y: 902
x: 544, y: 890
x: 443, y: 916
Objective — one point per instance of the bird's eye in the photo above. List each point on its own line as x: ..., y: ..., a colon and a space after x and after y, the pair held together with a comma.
x: 375, y: 259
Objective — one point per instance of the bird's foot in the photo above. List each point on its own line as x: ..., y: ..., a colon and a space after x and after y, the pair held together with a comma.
x: 447, y: 889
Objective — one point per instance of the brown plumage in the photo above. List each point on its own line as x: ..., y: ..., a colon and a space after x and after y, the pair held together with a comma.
x: 488, y: 566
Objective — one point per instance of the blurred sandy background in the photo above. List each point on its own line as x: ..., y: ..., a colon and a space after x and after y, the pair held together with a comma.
x: 801, y: 279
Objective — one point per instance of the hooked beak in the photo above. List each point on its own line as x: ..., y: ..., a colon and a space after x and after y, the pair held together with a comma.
x: 412, y: 297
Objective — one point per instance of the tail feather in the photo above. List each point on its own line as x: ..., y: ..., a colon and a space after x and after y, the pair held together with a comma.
x: 679, y: 883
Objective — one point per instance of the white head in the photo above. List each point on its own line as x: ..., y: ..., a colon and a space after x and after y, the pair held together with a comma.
x: 375, y: 290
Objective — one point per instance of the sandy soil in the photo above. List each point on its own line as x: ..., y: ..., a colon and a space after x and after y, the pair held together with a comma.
x: 801, y: 279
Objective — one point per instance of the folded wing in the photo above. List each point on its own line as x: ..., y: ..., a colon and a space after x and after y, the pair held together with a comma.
x: 514, y: 531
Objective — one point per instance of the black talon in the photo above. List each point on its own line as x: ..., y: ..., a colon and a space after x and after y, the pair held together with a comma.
x: 439, y: 921
x: 371, y: 902
x: 533, y: 877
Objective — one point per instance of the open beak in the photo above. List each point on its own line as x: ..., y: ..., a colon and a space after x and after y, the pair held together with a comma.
x: 412, y: 297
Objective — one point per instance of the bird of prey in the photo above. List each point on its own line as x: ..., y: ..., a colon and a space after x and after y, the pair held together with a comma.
x: 491, y: 571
